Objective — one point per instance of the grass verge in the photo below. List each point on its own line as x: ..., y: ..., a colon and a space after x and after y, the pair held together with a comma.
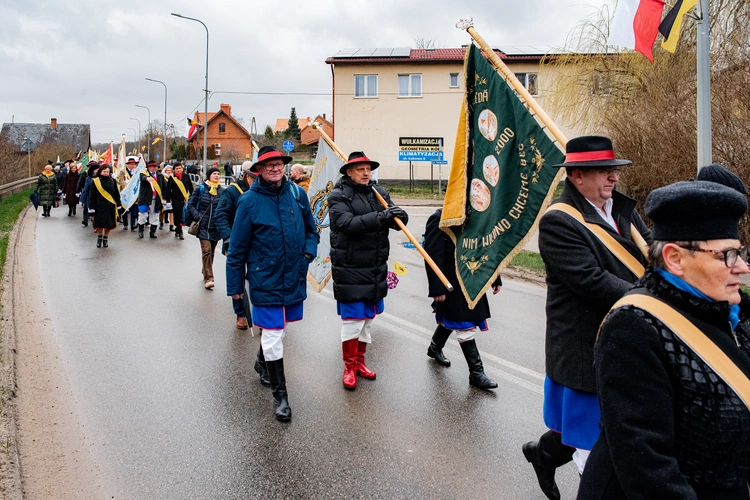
x: 745, y: 288
x: 419, y: 192
x: 528, y: 261
x: 10, y: 207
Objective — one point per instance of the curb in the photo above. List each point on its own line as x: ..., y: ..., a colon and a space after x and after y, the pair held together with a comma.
x: 11, y: 484
x: 520, y: 274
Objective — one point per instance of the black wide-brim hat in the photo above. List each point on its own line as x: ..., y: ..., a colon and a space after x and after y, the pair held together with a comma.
x: 591, y: 151
x: 268, y: 153
x: 358, y: 157
x: 152, y: 164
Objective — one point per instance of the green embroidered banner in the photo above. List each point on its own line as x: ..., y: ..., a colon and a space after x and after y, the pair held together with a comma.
x: 502, y: 176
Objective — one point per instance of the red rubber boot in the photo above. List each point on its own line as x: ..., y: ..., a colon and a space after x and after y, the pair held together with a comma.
x: 349, y: 351
x: 362, y: 370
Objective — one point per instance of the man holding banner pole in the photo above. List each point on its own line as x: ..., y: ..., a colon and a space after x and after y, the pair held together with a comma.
x: 591, y: 242
x: 359, y: 257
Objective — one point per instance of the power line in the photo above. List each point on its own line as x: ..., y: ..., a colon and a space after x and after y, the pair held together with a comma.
x: 325, y: 94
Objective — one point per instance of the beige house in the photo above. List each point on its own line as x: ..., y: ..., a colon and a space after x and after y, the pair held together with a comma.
x: 382, y: 95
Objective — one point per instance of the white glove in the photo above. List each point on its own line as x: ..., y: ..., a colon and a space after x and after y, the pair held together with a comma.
x: 91, y: 210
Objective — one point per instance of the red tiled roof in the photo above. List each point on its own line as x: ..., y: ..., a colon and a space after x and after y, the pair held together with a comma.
x: 429, y: 55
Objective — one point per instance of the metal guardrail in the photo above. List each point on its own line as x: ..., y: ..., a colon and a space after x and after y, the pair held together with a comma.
x: 16, y: 186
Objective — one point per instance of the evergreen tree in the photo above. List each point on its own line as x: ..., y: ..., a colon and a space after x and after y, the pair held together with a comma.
x: 293, y: 131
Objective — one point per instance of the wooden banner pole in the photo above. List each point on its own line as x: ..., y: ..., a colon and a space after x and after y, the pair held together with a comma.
x: 400, y: 224
x: 467, y: 24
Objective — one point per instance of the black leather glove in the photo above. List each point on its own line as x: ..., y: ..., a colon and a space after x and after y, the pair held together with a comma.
x: 397, y: 212
x: 225, y: 247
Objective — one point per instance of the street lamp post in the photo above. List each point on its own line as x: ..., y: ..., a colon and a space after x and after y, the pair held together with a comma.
x: 148, y: 131
x: 205, y: 112
x: 165, y: 115
x: 131, y: 128
x: 139, y: 133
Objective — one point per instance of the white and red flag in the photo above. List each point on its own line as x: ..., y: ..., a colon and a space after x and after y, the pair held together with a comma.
x: 636, y: 24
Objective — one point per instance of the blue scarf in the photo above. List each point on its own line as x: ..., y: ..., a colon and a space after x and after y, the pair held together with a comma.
x: 679, y: 283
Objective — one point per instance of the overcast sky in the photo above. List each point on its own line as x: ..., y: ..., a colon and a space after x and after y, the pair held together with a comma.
x: 85, y: 61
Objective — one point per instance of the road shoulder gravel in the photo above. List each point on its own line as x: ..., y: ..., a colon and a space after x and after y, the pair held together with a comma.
x: 44, y: 452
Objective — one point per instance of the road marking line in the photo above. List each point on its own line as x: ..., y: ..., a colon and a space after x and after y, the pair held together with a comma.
x: 400, y: 326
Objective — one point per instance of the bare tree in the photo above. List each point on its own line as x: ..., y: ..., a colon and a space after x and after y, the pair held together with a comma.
x: 649, y: 110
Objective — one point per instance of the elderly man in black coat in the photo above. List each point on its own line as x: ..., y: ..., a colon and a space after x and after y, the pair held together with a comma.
x: 359, y: 258
x: 585, y: 277
x: 452, y: 312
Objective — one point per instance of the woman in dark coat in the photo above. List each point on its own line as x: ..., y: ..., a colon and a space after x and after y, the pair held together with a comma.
x: 104, y: 199
x: 202, y: 207
x: 359, y: 258
x: 69, y: 189
x: 451, y: 309
x: 46, y: 186
x: 179, y: 189
x: 675, y: 423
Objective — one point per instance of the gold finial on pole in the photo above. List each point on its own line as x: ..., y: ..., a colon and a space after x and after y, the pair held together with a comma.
x: 467, y: 24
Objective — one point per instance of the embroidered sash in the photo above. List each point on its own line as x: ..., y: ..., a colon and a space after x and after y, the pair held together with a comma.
x: 612, y: 244
x: 181, y: 186
x: 695, y: 339
x: 238, y: 188
x: 105, y: 194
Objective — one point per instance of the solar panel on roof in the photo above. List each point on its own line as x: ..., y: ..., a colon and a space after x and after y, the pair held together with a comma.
x: 365, y: 52
x: 401, y: 52
x: 345, y: 53
x: 382, y: 52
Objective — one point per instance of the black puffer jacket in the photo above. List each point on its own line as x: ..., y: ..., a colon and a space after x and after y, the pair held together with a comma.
x: 671, y: 428
x: 202, y: 206
x: 359, y: 242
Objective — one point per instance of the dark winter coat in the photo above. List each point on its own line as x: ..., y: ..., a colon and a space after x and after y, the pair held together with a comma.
x: 173, y: 193
x: 273, y: 235
x: 227, y: 209
x: 70, y: 188
x: 584, y: 279
x: 82, y: 176
x: 671, y: 428
x: 47, y: 189
x: 104, y: 211
x: 59, y: 176
x: 202, y: 206
x: 359, y: 242
x: 440, y: 247
x: 145, y: 191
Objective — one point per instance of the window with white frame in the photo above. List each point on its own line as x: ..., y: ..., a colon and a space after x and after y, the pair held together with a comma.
x: 410, y: 85
x: 454, y: 80
x: 530, y: 81
x: 365, y: 85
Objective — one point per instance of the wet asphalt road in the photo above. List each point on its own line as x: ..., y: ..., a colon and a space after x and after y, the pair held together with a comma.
x: 168, y: 396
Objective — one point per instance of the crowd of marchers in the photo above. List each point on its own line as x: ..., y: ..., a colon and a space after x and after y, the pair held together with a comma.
x: 647, y: 339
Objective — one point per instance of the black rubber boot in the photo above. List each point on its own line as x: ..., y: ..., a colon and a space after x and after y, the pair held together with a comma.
x: 439, y: 338
x: 477, y: 378
x: 74, y: 209
x: 105, y: 242
x: 260, y: 367
x: 152, y: 234
x: 70, y: 211
x: 545, y: 456
x: 281, y: 409
x: 140, y: 230
x: 99, y: 241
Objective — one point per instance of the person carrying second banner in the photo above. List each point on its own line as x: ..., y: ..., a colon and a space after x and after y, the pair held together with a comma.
x: 225, y: 214
x: 149, y: 199
x: 359, y: 258
x: 452, y: 312
x: 274, y: 238
x: 590, y: 240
